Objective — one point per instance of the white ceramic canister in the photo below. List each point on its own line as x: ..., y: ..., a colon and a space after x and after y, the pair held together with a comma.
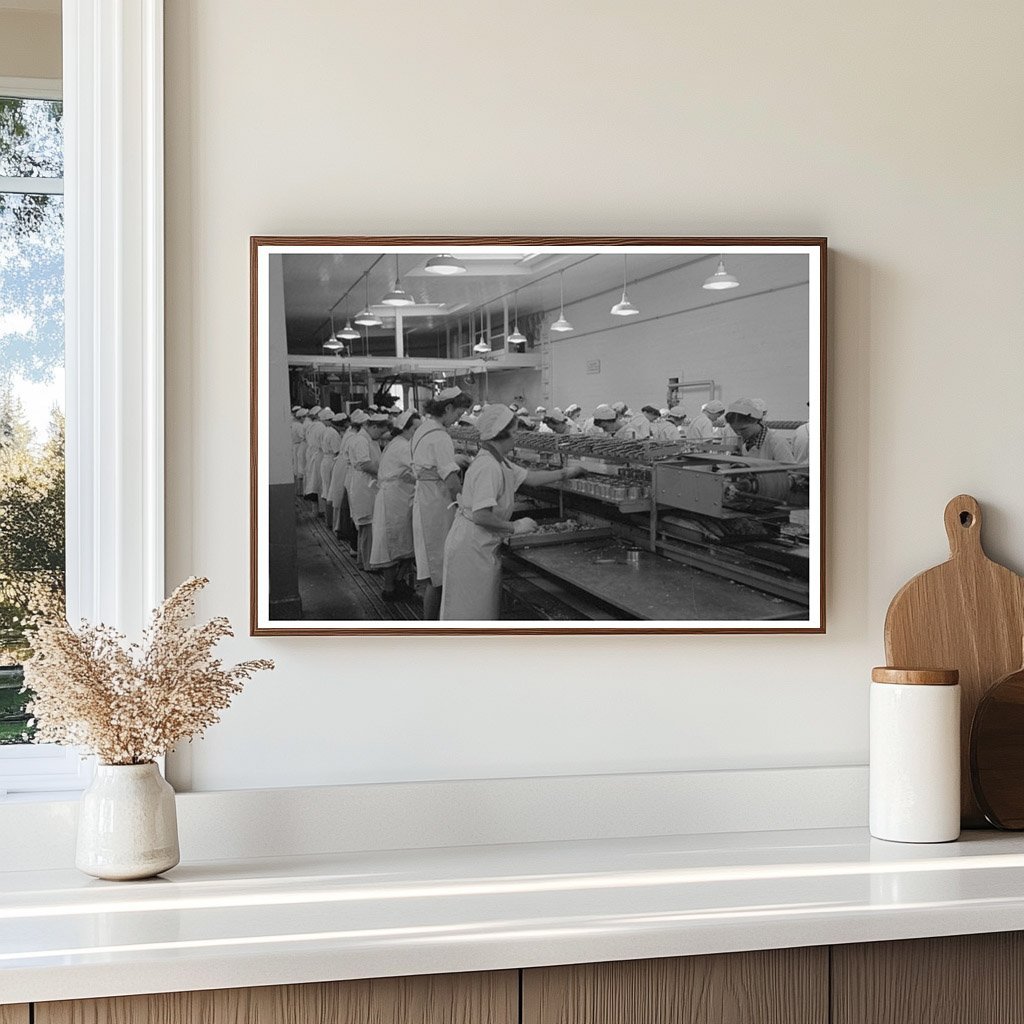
x: 915, y: 755
x: 127, y: 825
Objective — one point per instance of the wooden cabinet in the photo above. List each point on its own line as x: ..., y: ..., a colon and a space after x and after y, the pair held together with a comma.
x: 779, y: 986
x: 491, y: 998
x: 968, y: 979
x: 963, y: 979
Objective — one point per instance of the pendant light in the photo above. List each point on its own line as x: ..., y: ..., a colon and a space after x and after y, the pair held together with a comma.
x: 366, y: 317
x: 333, y: 344
x: 482, y: 346
x: 720, y: 279
x: 561, y: 324
x: 347, y: 333
x: 515, y: 338
x: 624, y: 307
x: 398, y: 296
x: 444, y: 264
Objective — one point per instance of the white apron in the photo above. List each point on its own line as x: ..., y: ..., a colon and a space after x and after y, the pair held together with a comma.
x: 336, y: 491
x: 361, y: 486
x: 311, y: 478
x: 433, y: 459
x: 472, y: 554
x: 331, y: 445
x: 298, y: 447
x: 392, y: 508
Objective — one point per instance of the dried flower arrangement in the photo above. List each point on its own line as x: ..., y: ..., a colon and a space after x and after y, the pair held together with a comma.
x: 130, y: 703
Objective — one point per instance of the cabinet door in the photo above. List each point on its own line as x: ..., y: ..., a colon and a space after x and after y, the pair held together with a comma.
x: 963, y: 979
x: 779, y: 986
x: 491, y: 998
x: 16, y: 1013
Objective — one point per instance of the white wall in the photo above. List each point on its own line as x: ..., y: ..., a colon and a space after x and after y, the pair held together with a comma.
x: 892, y: 128
x: 30, y: 44
x: 754, y: 344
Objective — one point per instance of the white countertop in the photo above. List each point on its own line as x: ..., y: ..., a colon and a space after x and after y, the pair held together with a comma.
x: 225, y: 924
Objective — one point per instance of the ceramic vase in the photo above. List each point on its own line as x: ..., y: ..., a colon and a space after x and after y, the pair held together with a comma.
x: 127, y: 825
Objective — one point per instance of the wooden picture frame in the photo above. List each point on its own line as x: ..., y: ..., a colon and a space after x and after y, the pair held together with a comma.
x: 723, y: 528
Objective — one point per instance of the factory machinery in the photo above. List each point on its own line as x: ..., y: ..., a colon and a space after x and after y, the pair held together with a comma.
x: 721, y: 520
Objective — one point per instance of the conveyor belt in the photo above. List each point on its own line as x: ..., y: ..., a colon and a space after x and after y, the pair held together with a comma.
x: 657, y: 588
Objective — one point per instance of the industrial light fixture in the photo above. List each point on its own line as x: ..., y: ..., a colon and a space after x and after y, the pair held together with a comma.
x: 444, y: 264
x: 333, y: 343
x: 515, y: 338
x: 347, y: 333
x: 624, y: 307
x: 483, y: 346
x: 366, y: 317
x: 398, y: 296
x: 720, y: 279
x: 561, y: 324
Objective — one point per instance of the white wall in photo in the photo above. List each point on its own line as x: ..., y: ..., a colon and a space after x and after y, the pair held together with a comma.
x: 790, y: 118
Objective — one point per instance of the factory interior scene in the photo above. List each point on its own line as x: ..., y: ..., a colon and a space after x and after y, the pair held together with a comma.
x: 547, y: 435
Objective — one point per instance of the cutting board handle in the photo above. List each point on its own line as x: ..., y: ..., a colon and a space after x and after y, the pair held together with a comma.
x: 963, y: 527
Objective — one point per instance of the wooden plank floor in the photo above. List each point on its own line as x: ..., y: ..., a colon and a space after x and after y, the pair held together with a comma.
x: 331, y: 585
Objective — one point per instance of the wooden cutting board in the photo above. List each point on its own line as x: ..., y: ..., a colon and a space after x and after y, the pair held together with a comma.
x: 967, y: 614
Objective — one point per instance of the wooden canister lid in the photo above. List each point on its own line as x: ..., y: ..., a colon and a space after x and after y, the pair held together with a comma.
x: 916, y: 676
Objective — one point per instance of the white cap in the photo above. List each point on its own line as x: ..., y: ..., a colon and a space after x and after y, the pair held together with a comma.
x: 714, y: 407
x: 340, y: 417
x: 677, y: 412
x: 303, y: 412
x: 314, y: 410
x: 619, y: 406
x: 759, y: 404
x: 493, y: 420
x: 325, y: 414
x: 477, y: 407
x: 359, y: 417
x: 296, y: 408
x: 745, y: 407
x: 540, y: 410
x: 449, y: 394
x: 605, y: 412
x: 664, y: 412
x: 403, y: 420
x: 571, y: 408
x: 556, y: 416
x: 378, y: 417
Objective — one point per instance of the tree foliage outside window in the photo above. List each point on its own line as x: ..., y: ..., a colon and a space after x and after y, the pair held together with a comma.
x: 31, y: 361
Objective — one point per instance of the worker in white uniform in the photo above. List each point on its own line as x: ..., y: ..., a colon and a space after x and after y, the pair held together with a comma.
x: 634, y: 425
x: 393, y: 550
x: 573, y: 413
x: 606, y: 422
x: 757, y: 441
x: 661, y: 429
x: 315, y: 453
x: 310, y: 427
x: 344, y: 528
x: 364, y: 462
x: 330, y: 444
x: 556, y: 422
x: 332, y: 448
x: 677, y: 417
x: 298, y: 430
x: 703, y: 426
x: 472, y: 552
x: 438, y: 481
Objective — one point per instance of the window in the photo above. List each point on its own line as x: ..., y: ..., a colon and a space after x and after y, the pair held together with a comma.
x: 32, y: 532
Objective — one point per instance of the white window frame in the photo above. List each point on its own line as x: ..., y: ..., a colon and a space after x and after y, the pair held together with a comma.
x: 114, y: 335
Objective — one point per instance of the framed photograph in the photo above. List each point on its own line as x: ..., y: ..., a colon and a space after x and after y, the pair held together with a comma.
x: 537, y: 435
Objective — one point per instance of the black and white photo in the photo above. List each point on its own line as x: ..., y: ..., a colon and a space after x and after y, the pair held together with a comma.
x: 539, y: 435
